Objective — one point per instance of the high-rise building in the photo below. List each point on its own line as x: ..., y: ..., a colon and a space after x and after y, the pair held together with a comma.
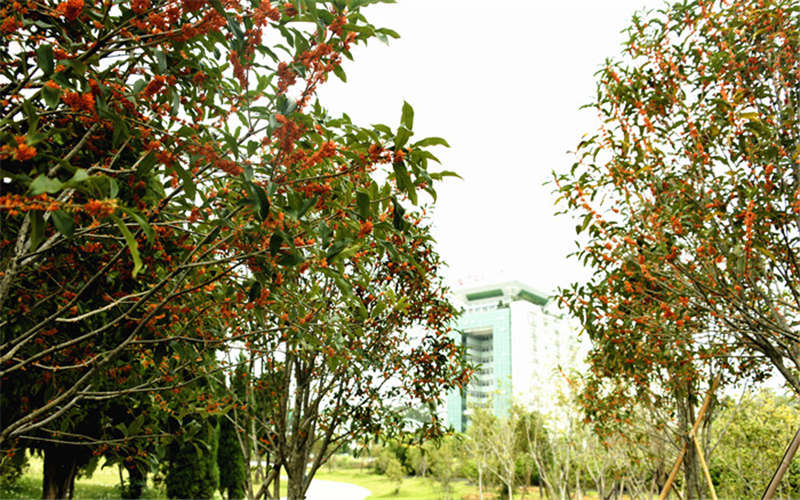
x: 522, y: 343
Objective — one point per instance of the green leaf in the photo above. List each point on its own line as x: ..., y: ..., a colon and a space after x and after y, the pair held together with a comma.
x: 325, y: 233
x: 286, y: 105
x: 43, y: 184
x: 78, y: 67
x: 311, y: 6
x: 44, y: 57
x: 138, y: 86
x: 431, y: 141
x: 161, y: 60
x: 255, y: 291
x: 260, y: 199
x: 133, y: 246
x: 275, y: 242
x: 136, y: 425
x: 290, y: 259
x: 335, y: 249
x: 404, y: 181
x: 113, y: 188
x: 139, y: 218
x: 235, y: 28
x: 362, y: 200
x: 218, y: 7
x: 51, y: 96
x: 120, y: 132
x: 342, y: 284
x: 305, y: 206
x: 582, y: 227
x: 402, y: 137
x: 37, y: 229
x: 339, y: 72
x: 146, y: 163
x: 61, y: 78
x: 407, y: 116
x: 211, y: 236
x: 63, y: 222
x: 397, y: 218
x: 387, y: 31
x: 31, y: 114
x: 79, y: 176
x: 188, y: 182
x: 443, y: 174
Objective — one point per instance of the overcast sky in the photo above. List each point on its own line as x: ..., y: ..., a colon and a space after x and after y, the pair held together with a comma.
x: 503, y: 83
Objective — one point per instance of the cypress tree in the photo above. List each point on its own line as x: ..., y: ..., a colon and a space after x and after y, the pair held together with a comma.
x: 192, y: 471
x: 232, y: 469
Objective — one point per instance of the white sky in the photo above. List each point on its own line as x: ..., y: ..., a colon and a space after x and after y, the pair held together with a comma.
x: 502, y: 83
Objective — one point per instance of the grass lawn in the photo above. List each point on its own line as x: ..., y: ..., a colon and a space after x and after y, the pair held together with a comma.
x: 416, y: 488
x: 104, y: 484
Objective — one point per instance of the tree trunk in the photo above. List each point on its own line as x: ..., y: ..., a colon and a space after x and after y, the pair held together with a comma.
x: 60, y: 467
x: 295, y: 488
x: 137, y: 480
x: 691, y: 476
x: 277, y: 485
x: 480, y: 483
x: 601, y: 487
x: 653, y: 484
x: 527, y: 478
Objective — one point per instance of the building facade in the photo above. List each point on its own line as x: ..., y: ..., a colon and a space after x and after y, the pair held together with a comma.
x: 522, y: 345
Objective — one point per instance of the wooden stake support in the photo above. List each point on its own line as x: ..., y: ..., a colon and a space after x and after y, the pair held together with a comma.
x: 705, y: 467
x: 787, y: 459
x: 674, y: 472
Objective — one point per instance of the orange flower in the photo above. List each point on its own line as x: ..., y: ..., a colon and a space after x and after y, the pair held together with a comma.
x: 139, y: 6
x: 265, y: 11
x: 79, y: 102
x: 9, y: 25
x: 100, y: 208
x: 24, y: 152
x: 289, y: 9
x: 21, y: 153
x: 70, y: 9
x: 366, y: 228
x: 192, y: 5
x: 153, y: 86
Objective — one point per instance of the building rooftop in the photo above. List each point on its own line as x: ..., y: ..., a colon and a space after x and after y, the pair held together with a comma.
x: 510, y: 290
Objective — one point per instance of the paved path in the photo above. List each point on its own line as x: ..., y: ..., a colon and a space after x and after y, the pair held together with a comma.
x: 321, y: 489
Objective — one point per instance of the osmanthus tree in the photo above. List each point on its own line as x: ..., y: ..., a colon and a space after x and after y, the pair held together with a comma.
x: 347, y: 359
x: 689, y: 193
x: 163, y: 161
x: 690, y: 198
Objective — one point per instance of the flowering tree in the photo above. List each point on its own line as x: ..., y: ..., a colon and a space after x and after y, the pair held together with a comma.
x: 689, y: 200
x: 166, y: 173
x: 349, y: 357
x: 690, y: 191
